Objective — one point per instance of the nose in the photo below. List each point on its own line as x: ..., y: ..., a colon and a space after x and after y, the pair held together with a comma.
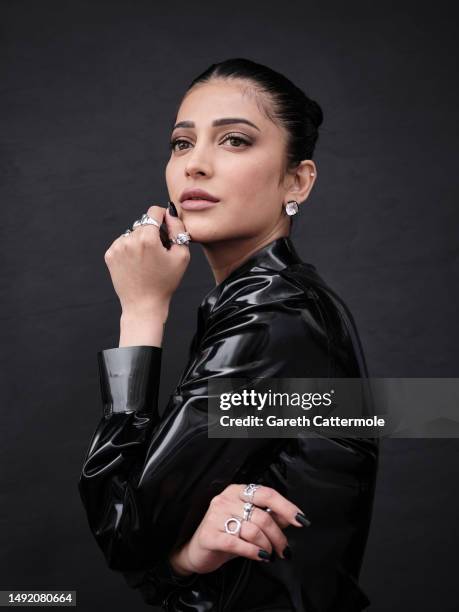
x: 198, y: 163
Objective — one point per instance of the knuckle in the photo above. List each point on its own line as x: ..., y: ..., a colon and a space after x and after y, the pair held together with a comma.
x: 229, y: 490
x: 234, y: 489
x: 216, y: 501
x: 153, y: 209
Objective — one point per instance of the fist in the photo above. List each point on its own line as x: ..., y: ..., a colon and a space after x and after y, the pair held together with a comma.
x: 144, y: 273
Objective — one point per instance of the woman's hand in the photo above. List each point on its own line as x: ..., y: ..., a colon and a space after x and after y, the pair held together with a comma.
x: 144, y: 273
x: 210, y: 547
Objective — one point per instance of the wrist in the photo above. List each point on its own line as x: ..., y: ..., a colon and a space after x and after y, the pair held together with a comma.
x: 144, y: 327
x: 157, y: 311
x: 179, y: 562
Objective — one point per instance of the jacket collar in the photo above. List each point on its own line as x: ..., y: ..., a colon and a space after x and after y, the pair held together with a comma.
x: 275, y: 255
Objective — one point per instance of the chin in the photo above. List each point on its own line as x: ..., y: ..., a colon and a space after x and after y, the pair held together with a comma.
x: 200, y: 230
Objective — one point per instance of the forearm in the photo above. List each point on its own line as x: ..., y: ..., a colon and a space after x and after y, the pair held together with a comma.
x: 143, y: 328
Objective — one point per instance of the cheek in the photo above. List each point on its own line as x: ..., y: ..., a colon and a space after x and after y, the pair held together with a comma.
x: 252, y: 179
x: 169, y: 176
x: 249, y: 187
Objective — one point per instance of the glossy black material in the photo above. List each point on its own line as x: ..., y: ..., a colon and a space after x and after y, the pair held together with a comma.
x: 147, y: 481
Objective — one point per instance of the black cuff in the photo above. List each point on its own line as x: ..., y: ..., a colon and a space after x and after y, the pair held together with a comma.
x: 165, y: 573
x: 129, y: 379
x: 159, y: 583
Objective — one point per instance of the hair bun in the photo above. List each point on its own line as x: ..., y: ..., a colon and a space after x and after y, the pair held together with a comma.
x: 315, y: 113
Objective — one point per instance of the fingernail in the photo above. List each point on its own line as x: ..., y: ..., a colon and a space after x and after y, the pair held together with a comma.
x: 287, y: 554
x: 172, y: 209
x: 264, y: 554
x: 302, y: 519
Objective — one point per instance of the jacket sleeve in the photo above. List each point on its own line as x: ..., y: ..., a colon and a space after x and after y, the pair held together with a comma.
x: 146, y: 481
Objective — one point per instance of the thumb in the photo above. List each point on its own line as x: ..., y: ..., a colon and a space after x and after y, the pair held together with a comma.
x: 173, y: 223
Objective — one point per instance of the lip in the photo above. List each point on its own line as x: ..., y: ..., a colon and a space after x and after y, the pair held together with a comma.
x: 190, y: 194
x: 197, y: 204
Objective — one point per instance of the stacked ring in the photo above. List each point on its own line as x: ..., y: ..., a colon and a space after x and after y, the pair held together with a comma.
x: 249, y: 491
x: 248, y: 510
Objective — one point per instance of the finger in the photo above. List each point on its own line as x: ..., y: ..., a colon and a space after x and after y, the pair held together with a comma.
x: 150, y: 231
x: 250, y: 532
x: 268, y: 497
x: 157, y: 213
x: 262, y: 521
x: 235, y: 545
x: 232, y: 490
x: 220, y: 509
x: 279, y: 520
x: 174, y: 226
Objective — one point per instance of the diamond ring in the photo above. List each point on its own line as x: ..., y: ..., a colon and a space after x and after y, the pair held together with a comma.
x: 182, y: 238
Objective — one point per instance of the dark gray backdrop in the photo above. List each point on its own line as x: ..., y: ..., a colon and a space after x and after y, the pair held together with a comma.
x: 88, y: 92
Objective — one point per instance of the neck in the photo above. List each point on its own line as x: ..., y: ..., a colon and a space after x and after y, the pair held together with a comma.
x: 226, y: 255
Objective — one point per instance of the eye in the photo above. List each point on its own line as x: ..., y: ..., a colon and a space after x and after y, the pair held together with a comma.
x: 175, y: 142
x: 237, y: 138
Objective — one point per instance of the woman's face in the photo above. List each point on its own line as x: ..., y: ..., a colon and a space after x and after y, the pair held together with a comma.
x: 238, y: 163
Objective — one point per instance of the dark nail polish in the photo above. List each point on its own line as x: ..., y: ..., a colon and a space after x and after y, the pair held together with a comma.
x: 302, y: 519
x: 287, y: 553
x: 172, y: 209
x: 264, y: 554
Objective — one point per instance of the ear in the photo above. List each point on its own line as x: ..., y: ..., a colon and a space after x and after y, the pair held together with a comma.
x: 301, y: 181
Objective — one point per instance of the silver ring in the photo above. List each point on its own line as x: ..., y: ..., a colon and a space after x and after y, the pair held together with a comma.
x: 127, y: 232
x: 147, y: 220
x: 182, y: 238
x: 135, y: 224
x: 249, y: 491
x: 268, y: 510
x: 238, y: 525
x: 248, y: 509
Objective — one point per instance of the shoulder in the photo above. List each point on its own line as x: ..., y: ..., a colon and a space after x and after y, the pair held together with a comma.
x: 294, y: 313
x: 271, y: 319
x: 294, y: 293
x: 258, y: 296
x: 257, y: 287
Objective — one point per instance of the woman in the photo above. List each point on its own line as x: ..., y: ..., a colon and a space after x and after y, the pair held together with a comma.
x: 160, y: 494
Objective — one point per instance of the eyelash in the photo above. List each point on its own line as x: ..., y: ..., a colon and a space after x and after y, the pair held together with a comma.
x: 227, y: 137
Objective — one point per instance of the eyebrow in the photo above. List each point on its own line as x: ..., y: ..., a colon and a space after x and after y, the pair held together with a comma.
x: 217, y: 122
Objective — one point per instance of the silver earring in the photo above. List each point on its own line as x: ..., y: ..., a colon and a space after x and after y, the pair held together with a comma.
x: 291, y: 208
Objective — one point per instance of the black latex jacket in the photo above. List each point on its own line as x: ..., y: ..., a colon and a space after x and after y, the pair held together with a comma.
x: 147, y: 479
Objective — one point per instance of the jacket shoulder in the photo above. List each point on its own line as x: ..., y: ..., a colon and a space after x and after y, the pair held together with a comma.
x: 305, y: 309
x: 257, y: 287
